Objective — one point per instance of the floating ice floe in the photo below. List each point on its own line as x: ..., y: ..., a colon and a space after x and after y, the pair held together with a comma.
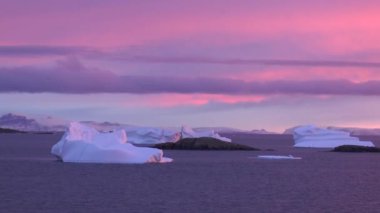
x: 279, y: 157
x: 312, y: 136
x: 187, y: 132
x: 83, y: 144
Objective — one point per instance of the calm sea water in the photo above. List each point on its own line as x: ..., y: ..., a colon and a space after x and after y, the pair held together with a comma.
x: 32, y: 180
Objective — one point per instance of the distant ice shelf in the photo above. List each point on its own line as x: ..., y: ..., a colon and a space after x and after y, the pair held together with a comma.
x: 153, y: 135
x: 314, y: 137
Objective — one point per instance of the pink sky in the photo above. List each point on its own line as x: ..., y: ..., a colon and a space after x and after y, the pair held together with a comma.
x: 212, y: 58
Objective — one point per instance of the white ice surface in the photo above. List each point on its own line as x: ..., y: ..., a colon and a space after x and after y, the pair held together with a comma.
x: 153, y: 135
x: 312, y: 136
x: 187, y: 132
x: 279, y: 157
x: 83, y: 144
x: 150, y: 135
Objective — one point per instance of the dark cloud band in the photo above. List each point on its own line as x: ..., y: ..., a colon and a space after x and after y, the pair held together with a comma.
x: 72, y: 77
x: 124, y: 55
x: 41, y: 50
x: 264, y: 62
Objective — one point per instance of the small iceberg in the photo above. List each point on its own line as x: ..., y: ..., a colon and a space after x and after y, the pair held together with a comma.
x: 279, y: 157
x: 83, y: 144
x: 312, y: 136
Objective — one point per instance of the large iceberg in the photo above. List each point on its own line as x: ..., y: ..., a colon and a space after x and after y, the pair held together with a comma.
x: 312, y: 136
x: 83, y: 144
x: 187, y: 132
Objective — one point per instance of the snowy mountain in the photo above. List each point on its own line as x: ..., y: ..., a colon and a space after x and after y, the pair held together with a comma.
x: 51, y: 124
x: 48, y: 123
x: 23, y: 123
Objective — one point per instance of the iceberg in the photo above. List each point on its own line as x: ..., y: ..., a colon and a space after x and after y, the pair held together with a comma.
x: 149, y: 135
x: 187, y: 132
x: 279, y: 157
x: 83, y: 144
x: 312, y: 136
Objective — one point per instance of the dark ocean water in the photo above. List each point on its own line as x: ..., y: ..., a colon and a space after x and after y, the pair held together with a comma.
x: 32, y: 180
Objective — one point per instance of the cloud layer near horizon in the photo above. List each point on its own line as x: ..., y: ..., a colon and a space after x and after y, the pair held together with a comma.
x: 72, y: 77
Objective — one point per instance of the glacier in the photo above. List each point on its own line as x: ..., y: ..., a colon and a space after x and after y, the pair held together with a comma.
x: 315, y: 137
x: 84, y: 144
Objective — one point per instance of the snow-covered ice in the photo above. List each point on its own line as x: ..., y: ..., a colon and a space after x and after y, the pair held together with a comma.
x: 312, y: 136
x: 279, y: 157
x: 150, y: 135
x: 187, y: 132
x: 83, y: 144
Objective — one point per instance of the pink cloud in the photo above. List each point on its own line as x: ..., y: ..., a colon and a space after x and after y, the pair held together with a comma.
x: 166, y: 100
x: 71, y: 76
x: 354, y: 75
x: 331, y: 26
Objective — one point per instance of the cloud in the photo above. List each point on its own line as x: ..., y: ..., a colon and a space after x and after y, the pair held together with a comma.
x: 174, y: 100
x: 71, y: 76
x: 239, y: 61
x: 127, y: 56
x: 343, y: 21
x: 43, y: 50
